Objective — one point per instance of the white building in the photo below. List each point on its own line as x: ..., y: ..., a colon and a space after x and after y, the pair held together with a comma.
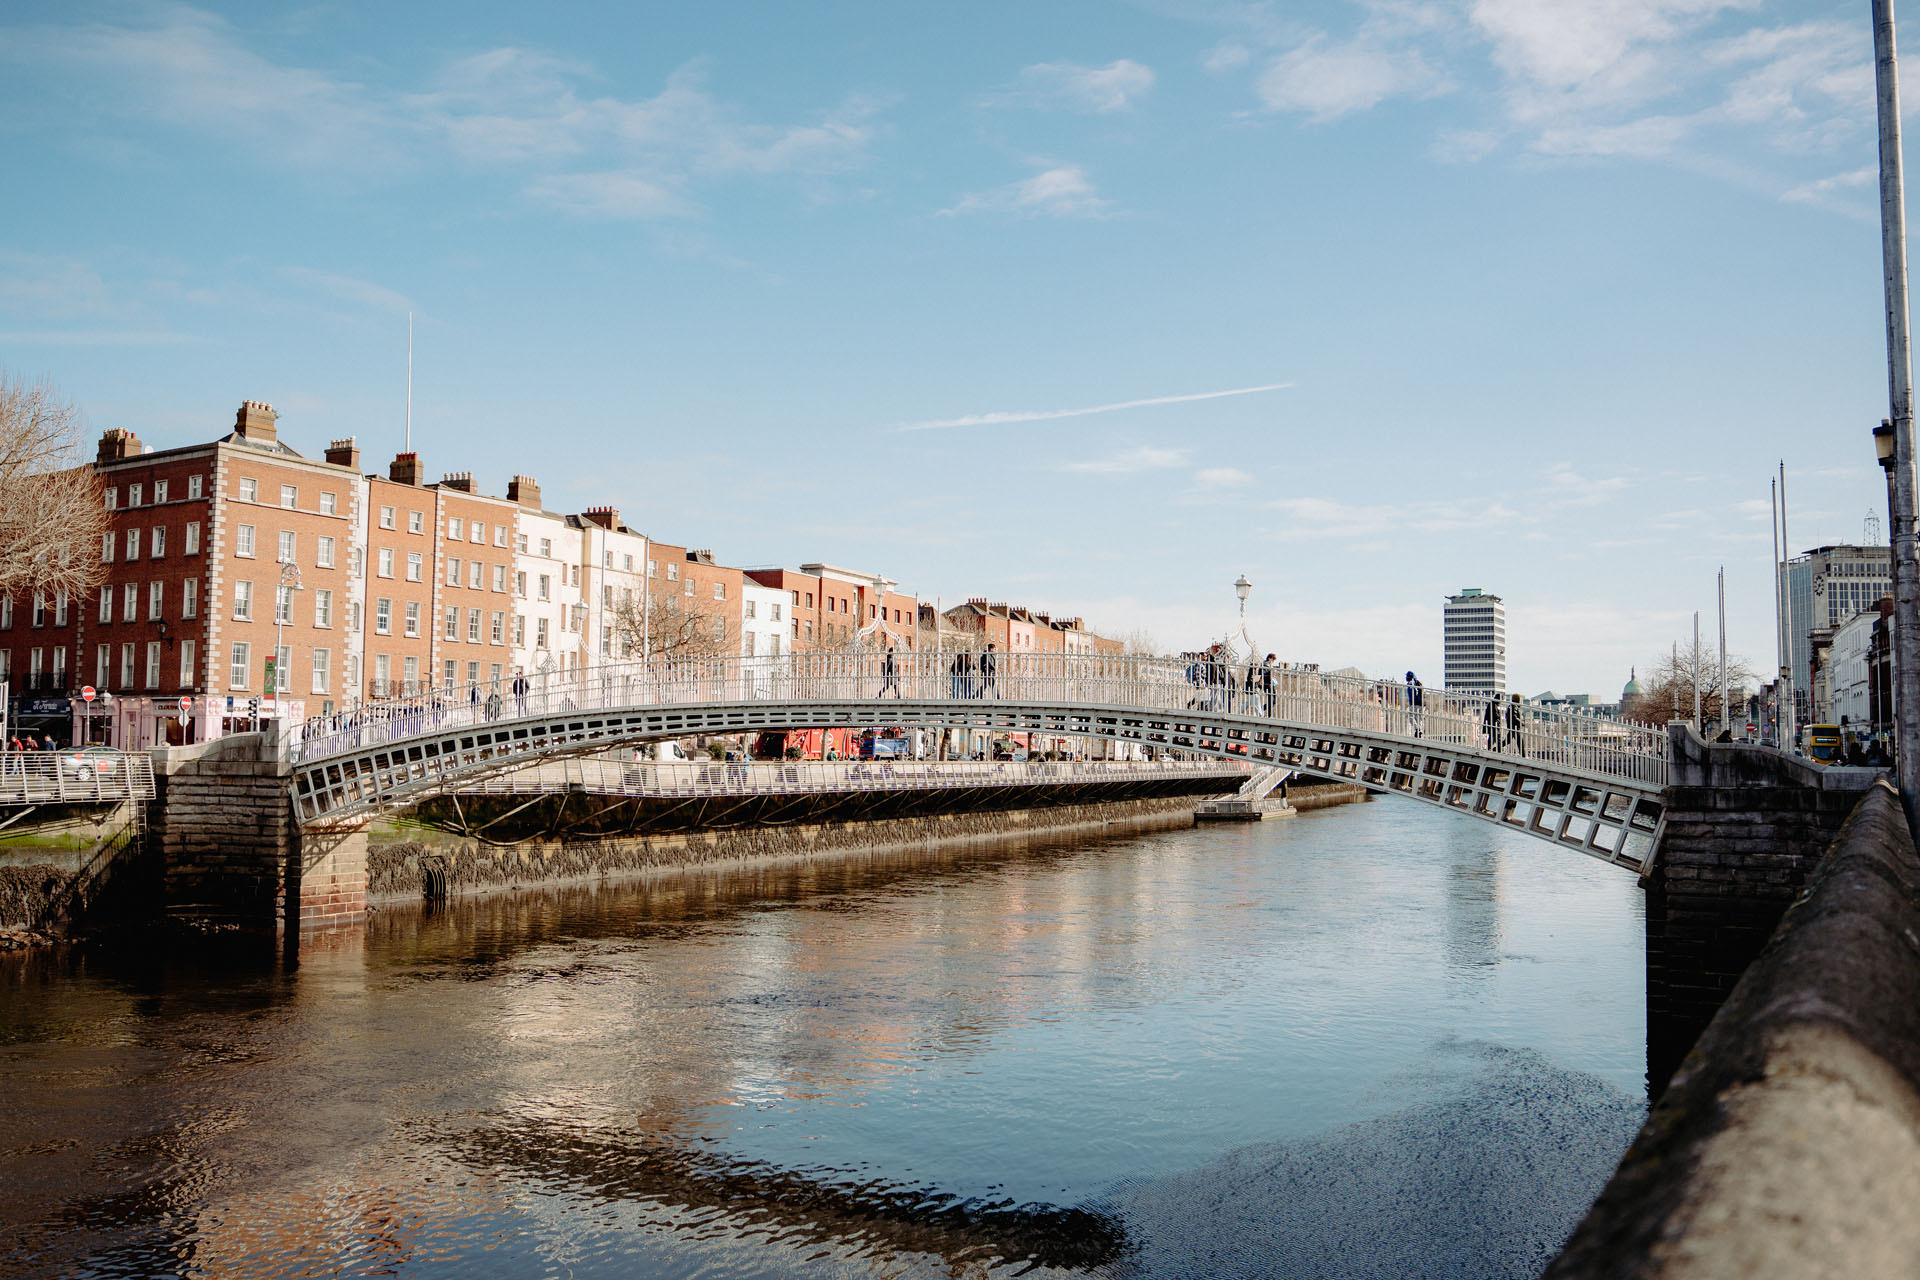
x: 614, y: 574
x: 1847, y: 671
x: 550, y: 616
x: 764, y: 621
x: 1475, y: 634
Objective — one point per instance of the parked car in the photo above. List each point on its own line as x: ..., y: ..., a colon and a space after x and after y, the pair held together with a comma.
x: 89, y: 762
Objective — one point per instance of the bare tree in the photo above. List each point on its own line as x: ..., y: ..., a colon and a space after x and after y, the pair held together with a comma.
x: 1139, y: 643
x: 1667, y: 691
x: 51, y: 513
x: 673, y: 626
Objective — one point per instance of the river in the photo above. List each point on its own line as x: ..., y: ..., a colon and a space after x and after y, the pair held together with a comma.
x: 1379, y: 1040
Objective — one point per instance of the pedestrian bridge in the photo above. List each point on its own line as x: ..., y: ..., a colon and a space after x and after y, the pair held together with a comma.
x: 1583, y: 782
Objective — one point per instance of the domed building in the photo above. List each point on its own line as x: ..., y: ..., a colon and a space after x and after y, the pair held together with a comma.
x: 1631, y: 694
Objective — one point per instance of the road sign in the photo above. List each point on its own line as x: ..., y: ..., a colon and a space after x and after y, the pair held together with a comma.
x: 86, y: 694
x: 186, y: 704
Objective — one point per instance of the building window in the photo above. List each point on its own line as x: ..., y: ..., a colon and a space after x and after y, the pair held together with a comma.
x: 809, y: 599
x: 520, y: 543
x: 749, y: 609
x: 186, y: 664
x: 773, y: 610
x: 546, y: 587
x: 653, y: 568
x: 158, y: 550
x: 673, y: 572
x: 413, y: 617
x: 159, y: 491
x: 283, y: 602
x: 102, y: 664
x: 519, y: 632
x: 329, y: 505
x: 60, y: 607
x: 106, y: 547
x: 382, y: 674
x: 416, y: 522
x: 688, y: 584
x: 386, y: 517
x: 243, y: 540
x: 286, y: 546
x: 193, y: 538
x: 499, y: 631
x: 719, y: 591
x: 153, y: 664
x: 473, y: 626
x: 546, y: 548
x: 133, y: 545
x: 133, y: 495
x: 383, y: 616
x: 156, y: 597
x: 190, y: 598
x: 474, y: 568
x: 520, y: 585
x: 129, y: 601
x: 322, y: 669
x: 249, y: 490
x: 499, y: 577
x: 196, y: 486
x: 323, y: 608
x: 539, y: 633
x: 106, y: 604
x: 411, y: 668
x: 500, y: 535
x: 243, y: 601
x: 289, y: 497
x: 449, y: 672
x: 386, y: 562
x: 323, y: 553
x: 239, y: 663
x: 473, y: 673
x: 450, y: 623
x: 413, y: 566
x: 453, y: 571
x: 113, y: 501
x: 456, y: 528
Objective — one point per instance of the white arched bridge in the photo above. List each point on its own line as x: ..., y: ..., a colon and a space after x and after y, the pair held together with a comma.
x: 1580, y: 781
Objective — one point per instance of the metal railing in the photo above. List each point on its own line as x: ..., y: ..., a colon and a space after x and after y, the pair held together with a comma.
x: 1285, y: 697
x: 797, y: 777
x: 96, y: 776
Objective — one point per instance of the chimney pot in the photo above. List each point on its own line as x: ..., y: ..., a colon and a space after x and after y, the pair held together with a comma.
x: 406, y: 469
x: 524, y: 490
x: 256, y: 422
x: 460, y: 480
x: 344, y: 453
x: 117, y: 443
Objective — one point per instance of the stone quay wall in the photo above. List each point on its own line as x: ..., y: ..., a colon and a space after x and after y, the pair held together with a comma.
x: 1744, y: 828
x: 1788, y: 1144
x: 408, y: 871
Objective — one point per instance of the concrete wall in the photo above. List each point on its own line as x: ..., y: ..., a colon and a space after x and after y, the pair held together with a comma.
x: 1744, y: 827
x: 1789, y: 1142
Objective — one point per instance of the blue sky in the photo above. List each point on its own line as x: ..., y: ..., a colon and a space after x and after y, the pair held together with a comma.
x: 1537, y: 293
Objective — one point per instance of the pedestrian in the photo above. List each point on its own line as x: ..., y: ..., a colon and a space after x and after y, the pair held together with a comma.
x: 49, y: 744
x: 1490, y: 723
x: 989, y: 670
x: 889, y: 676
x: 1416, y: 698
x: 493, y: 705
x: 1266, y: 687
x: 520, y: 687
x: 1515, y: 743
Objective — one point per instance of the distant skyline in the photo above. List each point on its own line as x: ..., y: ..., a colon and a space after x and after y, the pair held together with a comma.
x: 1088, y: 306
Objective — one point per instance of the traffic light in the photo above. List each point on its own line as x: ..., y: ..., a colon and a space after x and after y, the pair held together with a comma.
x: 253, y: 706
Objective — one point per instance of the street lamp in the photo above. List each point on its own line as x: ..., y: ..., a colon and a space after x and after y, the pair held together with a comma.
x: 282, y: 606
x: 1243, y: 589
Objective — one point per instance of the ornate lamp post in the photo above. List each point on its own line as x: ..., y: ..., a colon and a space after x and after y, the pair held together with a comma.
x: 1243, y: 589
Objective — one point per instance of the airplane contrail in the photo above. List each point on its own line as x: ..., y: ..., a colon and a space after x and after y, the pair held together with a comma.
x: 1004, y: 416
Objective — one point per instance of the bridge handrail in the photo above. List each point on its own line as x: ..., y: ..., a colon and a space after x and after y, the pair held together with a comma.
x: 1292, y: 697
x: 69, y: 777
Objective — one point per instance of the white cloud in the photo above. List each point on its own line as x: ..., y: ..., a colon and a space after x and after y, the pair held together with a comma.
x: 1060, y: 192
x: 1228, y: 55
x: 1210, y: 479
x: 1827, y: 192
x: 1113, y: 87
x: 1144, y: 458
x: 620, y: 194
x: 347, y: 289
x: 1328, y: 79
x: 1004, y: 416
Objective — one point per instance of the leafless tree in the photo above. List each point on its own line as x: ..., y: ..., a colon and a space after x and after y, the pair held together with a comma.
x: 1137, y: 642
x: 51, y: 514
x: 673, y: 627
x: 1667, y: 690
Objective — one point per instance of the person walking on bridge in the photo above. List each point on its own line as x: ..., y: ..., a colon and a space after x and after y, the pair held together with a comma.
x: 889, y: 675
x: 1415, y: 699
x: 1266, y: 687
x: 520, y: 688
x: 1515, y: 743
x: 989, y: 672
x: 1490, y: 722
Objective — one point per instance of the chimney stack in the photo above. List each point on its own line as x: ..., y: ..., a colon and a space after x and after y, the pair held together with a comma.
x: 255, y: 422
x: 117, y: 443
x: 605, y: 517
x: 461, y: 480
x: 524, y: 490
x: 406, y: 469
x: 344, y: 453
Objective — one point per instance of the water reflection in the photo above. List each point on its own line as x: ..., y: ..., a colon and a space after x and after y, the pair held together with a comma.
x: 975, y: 1060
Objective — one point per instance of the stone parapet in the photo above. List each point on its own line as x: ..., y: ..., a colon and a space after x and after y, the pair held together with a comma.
x: 1789, y: 1142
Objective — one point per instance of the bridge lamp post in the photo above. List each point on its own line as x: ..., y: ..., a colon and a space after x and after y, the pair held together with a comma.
x: 1243, y: 589
x: 282, y: 606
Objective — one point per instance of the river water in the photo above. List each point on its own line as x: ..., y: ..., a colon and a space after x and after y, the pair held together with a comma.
x: 1379, y: 1040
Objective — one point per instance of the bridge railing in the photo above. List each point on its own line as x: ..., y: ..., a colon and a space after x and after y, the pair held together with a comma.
x: 96, y: 776
x: 794, y: 777
x: 1291, y: 696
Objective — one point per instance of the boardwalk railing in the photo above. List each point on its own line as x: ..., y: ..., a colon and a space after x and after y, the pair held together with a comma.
x: 1287, y: 697
x: 95, y: 776
x: 797, y: 777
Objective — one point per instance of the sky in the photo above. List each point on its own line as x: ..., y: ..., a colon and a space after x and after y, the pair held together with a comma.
x: 1089, y: 306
